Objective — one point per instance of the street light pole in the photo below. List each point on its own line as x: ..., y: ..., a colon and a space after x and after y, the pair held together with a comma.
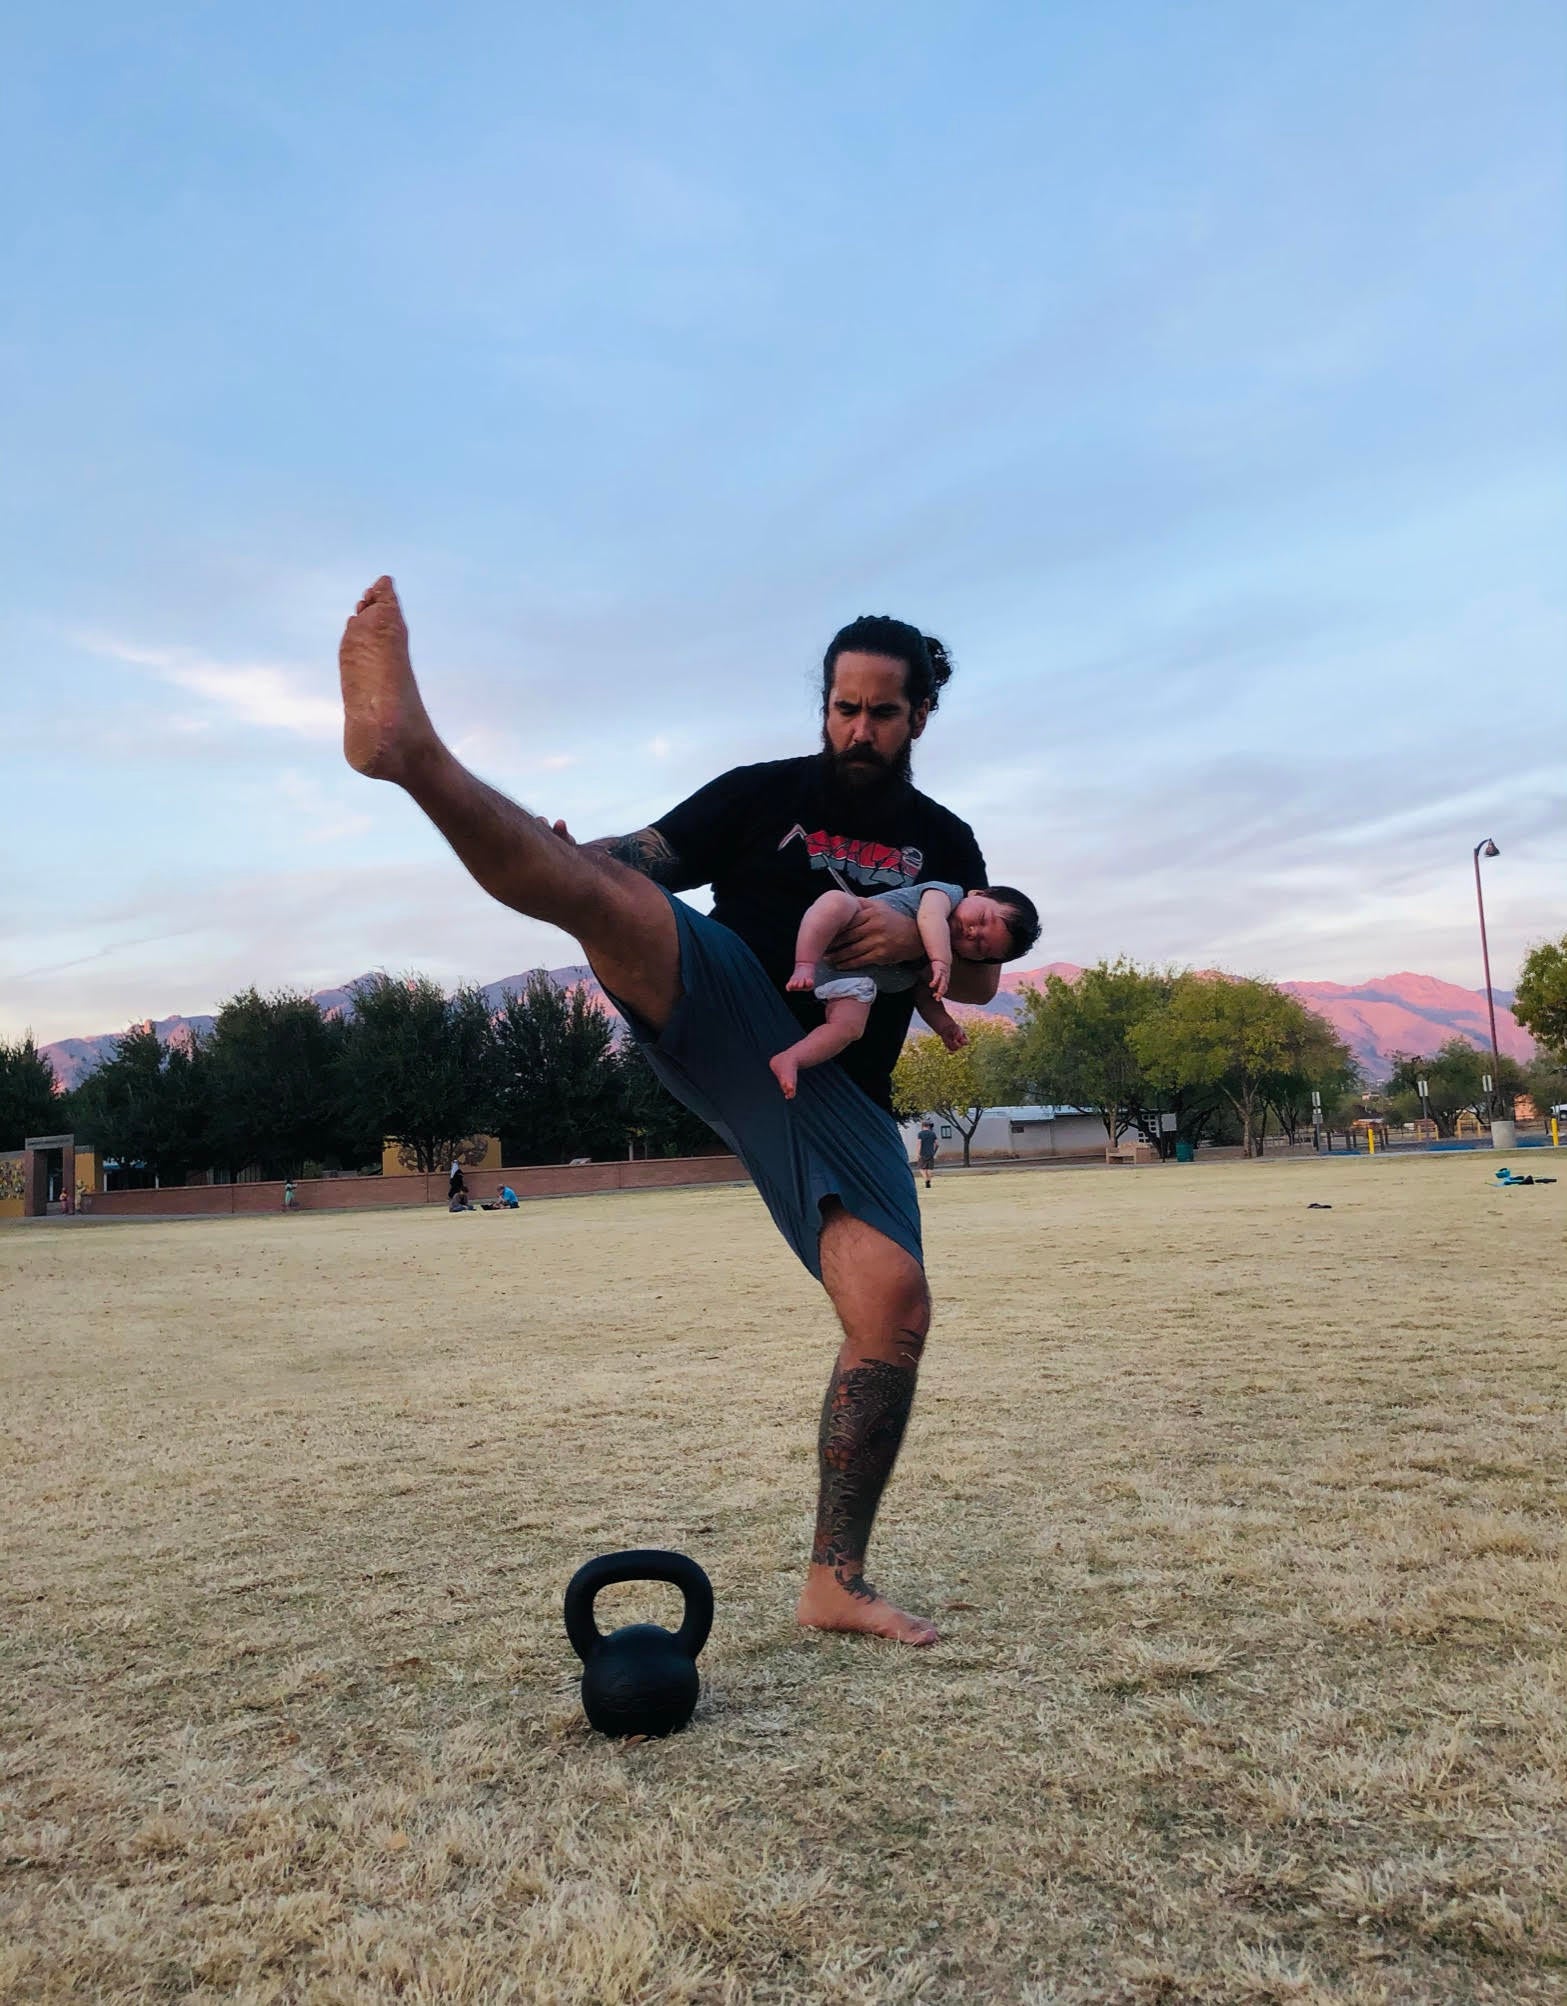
x: 1488, y: 849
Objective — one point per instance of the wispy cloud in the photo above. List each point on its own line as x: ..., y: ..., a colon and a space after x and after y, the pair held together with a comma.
x: 320, y: 816
x: 267, y: 694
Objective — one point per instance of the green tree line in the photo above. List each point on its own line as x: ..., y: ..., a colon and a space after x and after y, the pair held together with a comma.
x: 1227, y: 1058
x: 275, y: 1086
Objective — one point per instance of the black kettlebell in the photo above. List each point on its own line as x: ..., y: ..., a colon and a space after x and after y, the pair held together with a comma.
x: 642, y: 1679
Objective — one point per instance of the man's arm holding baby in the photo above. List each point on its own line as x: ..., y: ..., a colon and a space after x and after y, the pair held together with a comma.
x: 877, y: 937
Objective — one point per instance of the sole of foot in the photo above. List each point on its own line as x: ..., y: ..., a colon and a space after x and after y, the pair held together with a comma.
x: 383, y: 714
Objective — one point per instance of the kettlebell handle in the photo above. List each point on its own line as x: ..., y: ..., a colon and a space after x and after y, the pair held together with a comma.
x: 644, y: 1564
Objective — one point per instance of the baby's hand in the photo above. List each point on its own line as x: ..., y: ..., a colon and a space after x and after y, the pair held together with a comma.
x: 804, y: 976
x: 952, y: 1035
x: 940, y: 973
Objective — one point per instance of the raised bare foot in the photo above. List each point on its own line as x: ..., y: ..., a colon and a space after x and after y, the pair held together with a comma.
x: 804, y: 976
x: 834, y: 1602
x: 786, y: 1072
x: 384, y: 718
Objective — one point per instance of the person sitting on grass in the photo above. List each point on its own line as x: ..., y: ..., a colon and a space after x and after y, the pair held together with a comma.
x: 988, y: 926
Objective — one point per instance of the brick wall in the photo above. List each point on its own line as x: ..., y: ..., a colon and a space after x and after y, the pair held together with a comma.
x: 346, y: 1194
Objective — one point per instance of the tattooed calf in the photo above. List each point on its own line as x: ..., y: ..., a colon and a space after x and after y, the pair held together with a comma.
x: 863, y: 1419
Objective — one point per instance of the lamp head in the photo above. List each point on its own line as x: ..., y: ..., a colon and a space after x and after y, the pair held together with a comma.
x: 1487, y: 849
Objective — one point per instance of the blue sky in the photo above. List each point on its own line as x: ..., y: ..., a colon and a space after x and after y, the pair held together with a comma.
x: 1197, y: 373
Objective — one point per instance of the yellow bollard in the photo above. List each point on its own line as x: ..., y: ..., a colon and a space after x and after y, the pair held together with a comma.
x: 1371, y: 1140
x: 1556, y: 1139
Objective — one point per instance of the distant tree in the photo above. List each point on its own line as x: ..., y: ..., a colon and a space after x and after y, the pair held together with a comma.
x: 1074, y: 1045
x: 959, y: 1086
x: 29, y: 1094
x: 1228, y: 1034
x: 1545, y: 1082
x: 1540, y: 1001
x: 418, y: 1066
x: 652, y: 1122
x: 1455, y: 1082
x: 1317, y: 1061
x: 556, y: 1092
x: 275, y: 1084
x: 147, y: 1106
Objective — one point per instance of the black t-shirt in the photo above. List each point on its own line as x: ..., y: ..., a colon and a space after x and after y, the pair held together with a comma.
x: 769, y: 838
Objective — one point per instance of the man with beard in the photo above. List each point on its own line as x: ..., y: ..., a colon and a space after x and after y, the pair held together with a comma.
x: 704, y: 998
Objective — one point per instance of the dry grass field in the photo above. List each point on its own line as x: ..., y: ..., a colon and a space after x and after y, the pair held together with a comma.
x: 1242, y: 1519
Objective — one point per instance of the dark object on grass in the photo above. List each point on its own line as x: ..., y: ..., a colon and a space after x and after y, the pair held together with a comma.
x: 642, y: 1679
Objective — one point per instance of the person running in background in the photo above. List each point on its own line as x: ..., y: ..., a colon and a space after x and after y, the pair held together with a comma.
x: 927, y: 1141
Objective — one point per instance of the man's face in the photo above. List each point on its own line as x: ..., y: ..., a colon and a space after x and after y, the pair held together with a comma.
x: 869, y: 728
x: 981, y: 929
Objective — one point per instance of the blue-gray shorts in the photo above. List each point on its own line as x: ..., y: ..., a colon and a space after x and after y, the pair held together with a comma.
x: 830, y: 1141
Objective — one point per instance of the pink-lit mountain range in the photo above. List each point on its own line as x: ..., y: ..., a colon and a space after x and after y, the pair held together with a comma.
x: 1376, y: 1019
x: 1390, y: 1013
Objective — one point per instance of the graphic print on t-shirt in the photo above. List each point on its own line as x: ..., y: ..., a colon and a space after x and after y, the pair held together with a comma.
x: 867, y: 863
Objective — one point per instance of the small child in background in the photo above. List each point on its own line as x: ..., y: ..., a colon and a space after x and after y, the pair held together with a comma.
x: 987, y: 926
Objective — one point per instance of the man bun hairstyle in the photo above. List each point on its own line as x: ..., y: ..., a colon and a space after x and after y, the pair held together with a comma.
x: 927, y: 665
x: 1022, y: 917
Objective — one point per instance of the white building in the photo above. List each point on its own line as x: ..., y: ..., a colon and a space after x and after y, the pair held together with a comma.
x: 1004, y: 1132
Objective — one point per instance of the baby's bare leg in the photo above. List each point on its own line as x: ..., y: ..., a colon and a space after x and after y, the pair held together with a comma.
x: 823, y: 921
x: 845, y: 1022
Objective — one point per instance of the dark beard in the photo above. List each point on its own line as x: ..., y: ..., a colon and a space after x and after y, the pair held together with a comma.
x: 862, y: 782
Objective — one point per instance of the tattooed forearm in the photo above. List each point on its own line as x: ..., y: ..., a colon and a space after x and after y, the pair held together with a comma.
x: 644, y: 850
x: 863, y: 1419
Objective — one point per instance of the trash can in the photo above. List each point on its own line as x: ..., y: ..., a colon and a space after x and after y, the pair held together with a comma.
x: 1184, y: 1152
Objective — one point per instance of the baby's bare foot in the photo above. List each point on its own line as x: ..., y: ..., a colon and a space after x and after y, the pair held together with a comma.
x: 786, y: 1073
x: 804, y: 976
x: 384, y: 718
x: 843, y: 1601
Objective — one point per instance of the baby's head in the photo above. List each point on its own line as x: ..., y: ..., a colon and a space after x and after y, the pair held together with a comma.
x: 997, y: 925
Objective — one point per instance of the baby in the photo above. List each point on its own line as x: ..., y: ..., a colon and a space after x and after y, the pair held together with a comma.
x: 995, y: 925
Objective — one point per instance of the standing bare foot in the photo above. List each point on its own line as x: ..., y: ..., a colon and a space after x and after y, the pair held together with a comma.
x: 786, y: 1072
x: 834, y: 1601
x: 384, y: 718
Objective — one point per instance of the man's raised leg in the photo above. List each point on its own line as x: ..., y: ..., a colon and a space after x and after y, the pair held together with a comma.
x: 622, y: 920
x: 879, y: 1292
